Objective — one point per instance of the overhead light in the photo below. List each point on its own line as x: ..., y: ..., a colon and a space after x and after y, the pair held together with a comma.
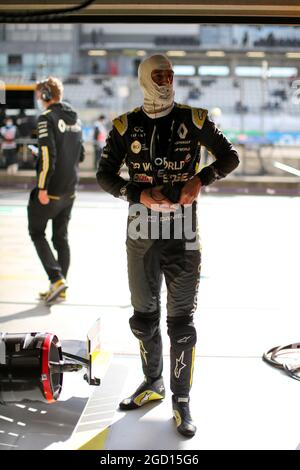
x: 218, y: 70
x: 293, y: 55
x: 282, y: 72
x: 215, y: 53
x: 141, y: 53
x: 97, y: 52
x: 248, y: 71
x: 255, y: 54
x: 188, y: 70
x: 176, y: 53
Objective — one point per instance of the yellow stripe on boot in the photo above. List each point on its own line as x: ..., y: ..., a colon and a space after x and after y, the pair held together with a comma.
x: 177, y: 417
x: 146, y: 396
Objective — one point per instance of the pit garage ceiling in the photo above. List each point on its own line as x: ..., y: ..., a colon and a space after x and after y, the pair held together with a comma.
x: 212, y: 9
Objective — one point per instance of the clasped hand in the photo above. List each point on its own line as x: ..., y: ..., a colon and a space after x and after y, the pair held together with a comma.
x: 156, y: 201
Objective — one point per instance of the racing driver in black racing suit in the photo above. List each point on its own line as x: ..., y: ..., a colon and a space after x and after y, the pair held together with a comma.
x: 160, y: 143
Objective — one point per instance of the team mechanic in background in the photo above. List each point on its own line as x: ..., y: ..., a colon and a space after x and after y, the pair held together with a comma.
x: 60, y: 150
x: 160, y: 143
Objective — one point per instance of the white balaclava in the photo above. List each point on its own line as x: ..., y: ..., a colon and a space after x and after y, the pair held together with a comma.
x: 156, y: 98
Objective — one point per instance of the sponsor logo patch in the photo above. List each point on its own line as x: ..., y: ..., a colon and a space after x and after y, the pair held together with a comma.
x: 136, y: 146
x: 142, y: 178
x: 184, y: 339
x: 182, y: 131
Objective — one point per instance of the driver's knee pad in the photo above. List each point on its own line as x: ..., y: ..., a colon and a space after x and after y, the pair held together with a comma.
x: 182, y: 333
x: 144, y: 325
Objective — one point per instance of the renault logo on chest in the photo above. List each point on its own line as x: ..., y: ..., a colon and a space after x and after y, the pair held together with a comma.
x: 182, y: 131
x: 136, y: 146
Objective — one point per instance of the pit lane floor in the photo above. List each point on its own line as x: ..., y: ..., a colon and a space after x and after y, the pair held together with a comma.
x: 248, y: 302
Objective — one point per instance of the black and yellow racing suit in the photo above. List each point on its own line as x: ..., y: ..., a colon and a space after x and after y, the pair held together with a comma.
x: 163, y: 152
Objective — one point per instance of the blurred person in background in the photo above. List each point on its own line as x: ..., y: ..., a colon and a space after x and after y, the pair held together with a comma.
x: 9, y: 134
x: 100, y: 135
x: 160, y: 143
x: 27, y: 128
x: 60, y: 149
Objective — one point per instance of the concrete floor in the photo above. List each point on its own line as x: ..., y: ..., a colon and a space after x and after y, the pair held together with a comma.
x: 248, y: 302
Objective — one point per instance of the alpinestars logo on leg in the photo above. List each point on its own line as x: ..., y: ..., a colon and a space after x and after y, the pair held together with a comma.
x: 180, y: 365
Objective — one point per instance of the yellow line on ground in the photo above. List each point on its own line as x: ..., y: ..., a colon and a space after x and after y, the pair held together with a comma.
x: 97, y: 442
x: 18, y: 277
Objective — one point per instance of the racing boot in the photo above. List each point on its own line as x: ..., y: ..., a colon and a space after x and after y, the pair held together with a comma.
x: 182, y: 415
x: 148, y: 391
x: 56, y: 288
x: 60, y: 298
